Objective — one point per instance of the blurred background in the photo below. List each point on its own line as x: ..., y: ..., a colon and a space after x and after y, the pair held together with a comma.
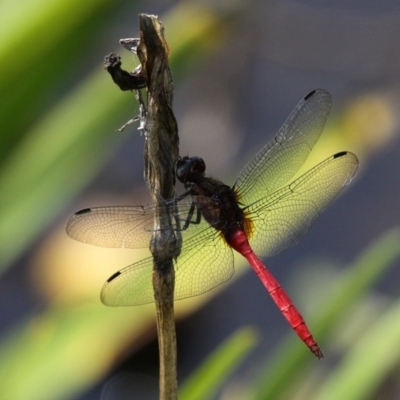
x: 239, y: 68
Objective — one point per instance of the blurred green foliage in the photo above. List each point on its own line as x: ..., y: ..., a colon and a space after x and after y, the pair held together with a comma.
x: 207, y: 379
x: 56, y: 118
x: 368, y: 352
x: 56, y: 132
x: 371, y: 346
x: 61, y: 342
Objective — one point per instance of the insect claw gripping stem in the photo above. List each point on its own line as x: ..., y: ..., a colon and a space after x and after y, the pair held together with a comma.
x: 125, y: 80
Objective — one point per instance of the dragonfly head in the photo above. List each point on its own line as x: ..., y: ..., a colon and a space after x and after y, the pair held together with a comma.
x: 190, y: 169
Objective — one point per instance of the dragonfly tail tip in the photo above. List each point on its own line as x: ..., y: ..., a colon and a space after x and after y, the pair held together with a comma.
x: 316, y: 351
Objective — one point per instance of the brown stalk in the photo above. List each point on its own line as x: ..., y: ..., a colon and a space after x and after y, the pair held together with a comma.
x: 160, y: 155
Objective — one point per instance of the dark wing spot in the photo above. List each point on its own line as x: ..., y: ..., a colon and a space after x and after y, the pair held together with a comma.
x: 112, y: 277
x: 342, y: 153
x: 311, y: 94
x: 84, y: 211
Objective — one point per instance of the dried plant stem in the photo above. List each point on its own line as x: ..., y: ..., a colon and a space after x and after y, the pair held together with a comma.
x: 161, y: 154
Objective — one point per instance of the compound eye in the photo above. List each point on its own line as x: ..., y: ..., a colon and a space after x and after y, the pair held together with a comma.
x: 199, y: 165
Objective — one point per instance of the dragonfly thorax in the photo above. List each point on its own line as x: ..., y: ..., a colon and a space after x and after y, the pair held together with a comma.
x: 217, y: 202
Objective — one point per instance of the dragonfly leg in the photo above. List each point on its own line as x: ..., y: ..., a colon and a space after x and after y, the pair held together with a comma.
x: 189, y: 218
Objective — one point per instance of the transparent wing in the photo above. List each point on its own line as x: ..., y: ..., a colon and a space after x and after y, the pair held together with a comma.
x: 281, y: 158
x: 281, y: 219
x: 204, y: 263
x: 127, y: 226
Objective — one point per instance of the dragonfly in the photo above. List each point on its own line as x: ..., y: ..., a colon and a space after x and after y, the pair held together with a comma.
x: 263, y: 213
